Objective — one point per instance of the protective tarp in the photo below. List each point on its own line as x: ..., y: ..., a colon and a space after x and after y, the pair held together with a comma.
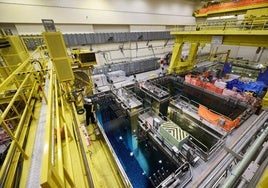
x: 204, y: 84
x: 256, y: 87
x: 239, y: 85
x: 216, y: 119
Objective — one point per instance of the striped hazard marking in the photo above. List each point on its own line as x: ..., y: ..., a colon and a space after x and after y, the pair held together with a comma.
x: 175, y: 131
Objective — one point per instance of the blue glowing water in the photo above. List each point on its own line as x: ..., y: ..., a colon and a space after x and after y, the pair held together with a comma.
x: 139, y: 160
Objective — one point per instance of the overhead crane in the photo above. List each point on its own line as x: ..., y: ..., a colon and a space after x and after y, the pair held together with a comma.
x: 225, y: 33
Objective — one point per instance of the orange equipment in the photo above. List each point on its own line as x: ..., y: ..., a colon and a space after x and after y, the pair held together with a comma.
x: 217, y: 119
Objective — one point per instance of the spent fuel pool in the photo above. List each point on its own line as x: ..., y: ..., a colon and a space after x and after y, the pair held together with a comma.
x: 144, y: 163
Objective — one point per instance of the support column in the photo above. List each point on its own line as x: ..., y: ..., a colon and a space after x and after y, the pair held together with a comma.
x: 176, y: 56
x: 192, y: 55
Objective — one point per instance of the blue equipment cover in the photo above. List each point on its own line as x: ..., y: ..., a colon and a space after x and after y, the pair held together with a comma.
x: 256, y: 87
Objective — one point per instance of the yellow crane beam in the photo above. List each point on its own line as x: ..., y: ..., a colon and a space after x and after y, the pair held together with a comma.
x: 226, y: 33
x: 242, y: 38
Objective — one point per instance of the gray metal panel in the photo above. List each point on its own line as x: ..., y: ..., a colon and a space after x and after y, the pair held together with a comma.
x: 108, y: 37
x: 88, y: 39
x: 150, y: 36
x: 128, y: 36
x: 135, y: 36
x: 67, y: 39
x: 137, y: 66
x: 120, y: 37
x: 126, y: 68
x: 139, y: 36
x: 98, y: 38
x: 81, y: 40
x: 145, y: 35
x: 72, y: 40
x: 160, y: 35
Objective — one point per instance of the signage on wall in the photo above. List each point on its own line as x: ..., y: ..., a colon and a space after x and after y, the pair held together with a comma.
x: 49, y: 25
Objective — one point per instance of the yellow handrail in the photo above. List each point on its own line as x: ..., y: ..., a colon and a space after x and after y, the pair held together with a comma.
x: 47, y: 161
x: 22, y: 78
x: 246, y: 24
x: 5, y: 126
x: 58, y: 131
x: 18, y: 135
x: 58, y: 157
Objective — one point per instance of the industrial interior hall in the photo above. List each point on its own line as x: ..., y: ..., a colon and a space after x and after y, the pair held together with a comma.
x: 134, y: 94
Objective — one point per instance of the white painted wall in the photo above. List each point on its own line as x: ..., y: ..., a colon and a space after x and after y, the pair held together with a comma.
x: 87, y: 16
x: 147, y: 28
x: 110, y: 28
x: 28, y: 29
x: 141, y: 12
x: 70, y: 28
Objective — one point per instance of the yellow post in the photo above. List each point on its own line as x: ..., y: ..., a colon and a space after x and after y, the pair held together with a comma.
x: 192, y: 55
x: 178, y: 64
x: 58, y: 131
x: 176, y: 56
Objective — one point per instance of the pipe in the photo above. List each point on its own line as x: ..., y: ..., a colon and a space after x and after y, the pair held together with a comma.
x: 242, y: 183
x: 260, y: 155
x: 214, y: 171
x: 243, y: 164
x: 263, y: 151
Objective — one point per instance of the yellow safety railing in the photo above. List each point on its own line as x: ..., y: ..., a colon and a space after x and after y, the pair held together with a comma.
x: 14, y: 121
x: 62, y: 141
x: 253, y: 24
x: 52, y: 174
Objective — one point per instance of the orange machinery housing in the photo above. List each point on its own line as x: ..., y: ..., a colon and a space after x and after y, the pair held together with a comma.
x: 217, y: 119
x: 230, y: 6
x: 206, y: 85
